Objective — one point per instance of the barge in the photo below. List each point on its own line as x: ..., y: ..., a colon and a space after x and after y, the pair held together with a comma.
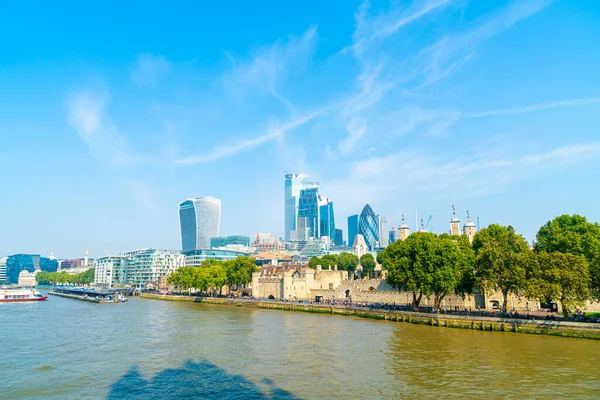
x: 93, y: 295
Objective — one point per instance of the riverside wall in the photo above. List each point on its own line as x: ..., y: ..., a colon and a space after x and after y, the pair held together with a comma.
x: 490, y: 324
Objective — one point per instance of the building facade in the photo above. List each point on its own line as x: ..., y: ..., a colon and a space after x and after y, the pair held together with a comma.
x: 3, y: 269
x: 196, y: 257
x: 339, y: 238
x: 352, y: 229
x: 294, y: 184
x: 308, y: 208
x: 147, y: 265
x: 199, y: 220
x: 326, y: 219
x: 222, y: 241
x: 383, y: 231
x: 29, y: 262
x: 110, y: 270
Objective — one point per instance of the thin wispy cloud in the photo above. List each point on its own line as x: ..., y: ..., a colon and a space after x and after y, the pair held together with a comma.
x: 369, y: 29
x: 88, y: 116
x: 537, y: 107
x: 449, y: 53
x: 149, y: 69
x: 272, y: 133
x: 416, y: 173
x: 269, y: 66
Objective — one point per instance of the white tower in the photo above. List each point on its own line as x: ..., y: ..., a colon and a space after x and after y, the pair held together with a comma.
x: 454, y: 223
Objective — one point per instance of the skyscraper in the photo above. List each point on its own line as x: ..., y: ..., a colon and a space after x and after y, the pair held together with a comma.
x: 199, y: 220
x: 368, y: 226
x: 326, y: 219
x: 383, y: 231
x: 352, y: 229
x: 294, y: 184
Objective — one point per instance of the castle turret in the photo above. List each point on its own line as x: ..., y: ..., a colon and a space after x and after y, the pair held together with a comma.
x: 287, y: 284
x: 422, y: 230
x: 403, y: 230
x: 469, y: 229
x: 454, y: 223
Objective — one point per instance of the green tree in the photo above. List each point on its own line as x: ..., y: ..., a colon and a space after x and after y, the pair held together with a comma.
x: 314, y: 261
x: 452, y: 265
x: 347, y: 262
x: 367, y: 263
x: 501, y: 262
x: 239, y: 270
x: 328, y: 261
x: 573, y: 234
x: 560, y: 276
x: 410, y: 264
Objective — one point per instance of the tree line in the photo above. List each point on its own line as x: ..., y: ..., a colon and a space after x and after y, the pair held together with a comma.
x: 214, y: 274
x: 49, y: 278
x: 345, y: 262
x: 563, y: 266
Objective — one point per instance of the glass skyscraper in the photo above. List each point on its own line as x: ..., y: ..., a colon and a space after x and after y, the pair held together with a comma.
x: 294, y: 184
x: 352, y: 229
x: 368, y: 226
x: 326, y: 219
x: 308, y: 207
x: 199, y: 220
x: 30, y: 262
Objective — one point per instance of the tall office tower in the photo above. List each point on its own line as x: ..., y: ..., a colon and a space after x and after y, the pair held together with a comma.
x: 368, y: 226
x: 199, y: 220
x: 326, y: 219
x: 383, y: 231
x: 352, y: 229
x: 294, y: 184
x: 339, y: 237
x: 308, y: 207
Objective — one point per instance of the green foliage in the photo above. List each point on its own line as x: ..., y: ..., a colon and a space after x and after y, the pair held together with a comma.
x: 427, y: 264
x: 502, y: 259
x: 328, y: 261
x: 347, y: 262
x: 367, y: 263
x: 214, y: 274
x: 560, y: 276
x: 573, y: 234
x: 48, y: 278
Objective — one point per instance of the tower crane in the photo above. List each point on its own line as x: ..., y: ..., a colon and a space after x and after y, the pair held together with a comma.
x: 428, y: 221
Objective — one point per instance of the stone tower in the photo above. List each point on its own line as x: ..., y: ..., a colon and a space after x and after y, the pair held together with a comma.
x: 403, y: 230
x: 454, y: 223
x: 469, y: 229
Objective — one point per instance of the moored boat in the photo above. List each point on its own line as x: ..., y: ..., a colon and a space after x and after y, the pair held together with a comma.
x: 14, y: 295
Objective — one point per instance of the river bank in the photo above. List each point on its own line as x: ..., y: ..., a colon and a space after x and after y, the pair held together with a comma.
x: 490, y: 324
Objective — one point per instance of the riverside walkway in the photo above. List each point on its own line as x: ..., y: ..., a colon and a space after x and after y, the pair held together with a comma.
x: 469, y: 321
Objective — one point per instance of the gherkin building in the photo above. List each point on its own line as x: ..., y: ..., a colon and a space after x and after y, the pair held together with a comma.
x: 369, y: 227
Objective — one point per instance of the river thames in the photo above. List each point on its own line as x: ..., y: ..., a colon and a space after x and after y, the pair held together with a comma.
x: 150, y: 349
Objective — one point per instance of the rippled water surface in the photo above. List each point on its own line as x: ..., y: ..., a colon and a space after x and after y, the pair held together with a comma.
x: 148, y: 349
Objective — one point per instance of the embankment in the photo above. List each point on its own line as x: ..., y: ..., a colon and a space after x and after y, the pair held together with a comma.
x: 539, y: 327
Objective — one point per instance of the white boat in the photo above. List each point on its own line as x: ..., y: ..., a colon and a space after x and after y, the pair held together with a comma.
x: 13, y: 295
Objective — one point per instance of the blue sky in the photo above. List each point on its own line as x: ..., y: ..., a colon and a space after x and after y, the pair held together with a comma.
x: 111, y: 115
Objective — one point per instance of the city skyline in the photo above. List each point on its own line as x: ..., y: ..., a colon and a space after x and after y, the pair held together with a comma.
x: 107, y: 123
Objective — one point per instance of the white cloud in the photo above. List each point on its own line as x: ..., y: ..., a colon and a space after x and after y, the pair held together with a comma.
x: 86, y: 113
x: 272, y: 133
x: 441, y: 59
x: 270, y: 65
x: 537, y: 107
x: 384, y: 25
x: 390, y: 176
x: 149, y: 69
x: 356, y: 128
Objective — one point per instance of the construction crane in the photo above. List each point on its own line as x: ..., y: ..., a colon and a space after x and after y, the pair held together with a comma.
x: 428, y: 221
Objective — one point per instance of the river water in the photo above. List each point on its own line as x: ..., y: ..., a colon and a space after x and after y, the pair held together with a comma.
x: 150, y: 349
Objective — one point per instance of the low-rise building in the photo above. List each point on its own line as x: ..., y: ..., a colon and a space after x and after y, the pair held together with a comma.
x: 195, y: 257
x: 26, y: 278
x: 110, y: 270
x: 2, y: 269
x: 149, y: 264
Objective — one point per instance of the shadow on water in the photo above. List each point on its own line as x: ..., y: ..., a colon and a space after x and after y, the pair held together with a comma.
x: 201, y: 380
